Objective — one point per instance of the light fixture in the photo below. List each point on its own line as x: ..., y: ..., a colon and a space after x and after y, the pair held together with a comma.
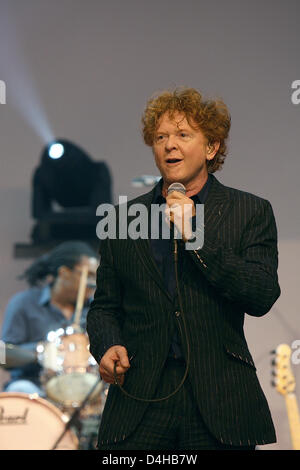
x: 56, y: 150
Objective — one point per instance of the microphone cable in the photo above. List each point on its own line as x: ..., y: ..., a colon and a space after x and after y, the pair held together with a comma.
x: 184, y: 335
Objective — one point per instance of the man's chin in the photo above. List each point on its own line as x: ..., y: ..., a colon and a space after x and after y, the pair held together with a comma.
x: 173, y: 179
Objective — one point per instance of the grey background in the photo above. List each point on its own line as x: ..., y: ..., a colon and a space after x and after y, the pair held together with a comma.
x: 83, y: 70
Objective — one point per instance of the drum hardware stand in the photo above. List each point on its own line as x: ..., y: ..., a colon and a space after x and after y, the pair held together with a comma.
x: 78, y: 311
x: 76, y: 414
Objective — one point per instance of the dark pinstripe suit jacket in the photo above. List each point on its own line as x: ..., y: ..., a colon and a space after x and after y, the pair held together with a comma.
x: 234, y: 273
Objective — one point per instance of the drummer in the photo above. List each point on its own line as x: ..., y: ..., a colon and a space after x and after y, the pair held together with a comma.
x: 47, y: 305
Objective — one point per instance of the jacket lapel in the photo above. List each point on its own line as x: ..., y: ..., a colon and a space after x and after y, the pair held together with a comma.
x: 215, y: 209
x: 216, y: 206
x: 143, y: 249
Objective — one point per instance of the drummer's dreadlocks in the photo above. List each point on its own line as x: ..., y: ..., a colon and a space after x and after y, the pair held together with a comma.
x: 46, y: 266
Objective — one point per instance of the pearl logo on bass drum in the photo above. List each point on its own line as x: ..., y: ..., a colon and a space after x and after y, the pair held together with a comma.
x: 13, y: 419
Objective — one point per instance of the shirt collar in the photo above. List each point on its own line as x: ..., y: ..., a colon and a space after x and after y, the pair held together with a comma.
x: 199, y: 198
x: 45, y: 295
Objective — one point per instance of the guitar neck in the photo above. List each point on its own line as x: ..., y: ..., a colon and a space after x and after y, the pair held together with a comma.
x: 294, y: 420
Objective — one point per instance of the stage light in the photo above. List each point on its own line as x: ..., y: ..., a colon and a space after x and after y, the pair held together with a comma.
x: 145, y: 180
x: 67, y: 187
x: 56, y: 150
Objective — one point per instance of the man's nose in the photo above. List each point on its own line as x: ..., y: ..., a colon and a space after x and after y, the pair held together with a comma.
x: 171, y: 142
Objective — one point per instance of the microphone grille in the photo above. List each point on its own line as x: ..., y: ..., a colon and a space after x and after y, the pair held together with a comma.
x: 176, y: 187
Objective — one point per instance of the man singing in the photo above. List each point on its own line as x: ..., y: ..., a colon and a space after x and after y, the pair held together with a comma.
x: 168, y: 336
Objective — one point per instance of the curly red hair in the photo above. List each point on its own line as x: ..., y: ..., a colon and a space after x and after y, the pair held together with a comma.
x: 210, y: 116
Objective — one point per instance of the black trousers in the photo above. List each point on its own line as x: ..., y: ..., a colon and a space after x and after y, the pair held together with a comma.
x: 173, y: 424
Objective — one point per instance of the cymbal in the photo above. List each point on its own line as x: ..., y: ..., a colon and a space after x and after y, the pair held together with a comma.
x: 15, y: 356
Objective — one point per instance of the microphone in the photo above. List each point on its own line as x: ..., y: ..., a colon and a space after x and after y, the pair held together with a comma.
x: 181, y: 189
x: 176, y: 187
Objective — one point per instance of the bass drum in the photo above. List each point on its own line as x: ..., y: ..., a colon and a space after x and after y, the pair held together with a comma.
x: 28, y: 422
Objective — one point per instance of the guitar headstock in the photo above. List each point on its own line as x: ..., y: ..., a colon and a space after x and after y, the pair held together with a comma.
x: 284, y: 379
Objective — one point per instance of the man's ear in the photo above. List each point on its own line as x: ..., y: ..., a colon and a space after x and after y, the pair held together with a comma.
x: 212, y: 149
x: 63, y: 272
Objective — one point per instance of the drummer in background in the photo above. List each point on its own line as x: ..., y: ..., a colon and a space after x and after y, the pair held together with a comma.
x: 48, y: 304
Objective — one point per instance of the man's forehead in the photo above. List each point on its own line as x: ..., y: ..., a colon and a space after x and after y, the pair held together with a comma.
x: 175, y: 118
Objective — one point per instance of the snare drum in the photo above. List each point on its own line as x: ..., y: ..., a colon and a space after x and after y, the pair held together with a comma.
x: 69, y: 370
x: 28, y: 422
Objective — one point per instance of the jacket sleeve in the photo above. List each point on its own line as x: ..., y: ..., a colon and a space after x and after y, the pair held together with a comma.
x: 105, y: 312
x: 248, y: 278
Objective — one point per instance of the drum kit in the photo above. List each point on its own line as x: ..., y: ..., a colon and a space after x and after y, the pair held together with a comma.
x: 68, y: 417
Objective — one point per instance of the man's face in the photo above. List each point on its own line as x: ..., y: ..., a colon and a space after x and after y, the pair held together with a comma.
x: 70, y: 278
x: 181, y: 151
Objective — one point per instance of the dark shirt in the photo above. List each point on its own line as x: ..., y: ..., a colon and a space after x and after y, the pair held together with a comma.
x: 28, y: 318
x: 162, y: 250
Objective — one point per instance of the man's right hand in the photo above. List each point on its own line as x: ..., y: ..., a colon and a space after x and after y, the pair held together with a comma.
x: 115, y: 354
